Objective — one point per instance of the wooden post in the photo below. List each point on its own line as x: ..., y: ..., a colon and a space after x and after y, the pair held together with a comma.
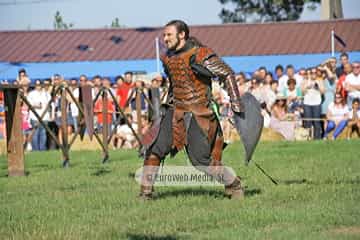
x: 138, y: 110
x: 105, y: 124
x: 15, y: 148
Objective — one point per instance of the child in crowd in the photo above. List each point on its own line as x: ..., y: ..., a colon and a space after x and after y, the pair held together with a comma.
x: 354, y: 118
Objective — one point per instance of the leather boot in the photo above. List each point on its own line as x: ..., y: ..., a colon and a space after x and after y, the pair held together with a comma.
x: 235, y: 190
x: 151, y: 167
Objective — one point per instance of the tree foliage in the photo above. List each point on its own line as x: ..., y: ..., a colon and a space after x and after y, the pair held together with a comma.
x: 115, y: 23
x: 263, y: 10
x: 59, y: 23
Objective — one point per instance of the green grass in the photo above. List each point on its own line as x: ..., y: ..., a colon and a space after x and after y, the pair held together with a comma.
x: 318, y: 197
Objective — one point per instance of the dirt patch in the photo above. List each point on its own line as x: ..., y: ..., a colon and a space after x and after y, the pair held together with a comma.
x: 346, y: 230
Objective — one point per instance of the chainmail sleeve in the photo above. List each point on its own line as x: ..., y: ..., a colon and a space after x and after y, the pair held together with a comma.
x: 214, y: 64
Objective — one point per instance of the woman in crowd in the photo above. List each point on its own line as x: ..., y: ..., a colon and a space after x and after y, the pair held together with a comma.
x: 337, y: 116
x: 312, y: 89
x: 281, y: 120
x: 241, y: 81
x: 269, y: 95
x: 330, y: 79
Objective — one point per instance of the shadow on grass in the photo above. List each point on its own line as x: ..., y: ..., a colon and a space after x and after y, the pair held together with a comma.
x: 6, y: 175
x: 201, y: 191
x: 294, y: 181
x: 132, y: 236
x: 101, y: 172
x: 325, y: 182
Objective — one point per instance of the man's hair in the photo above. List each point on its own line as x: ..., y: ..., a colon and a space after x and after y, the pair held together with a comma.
x: 181, y: 26
x: 279, y: 67
x: 344, y: 54
x: 262, y: 68
x: 119, y: 77
x: 356, y: 100
x: 22, y: 70
x: 128, y: 72
x: 289, y: 66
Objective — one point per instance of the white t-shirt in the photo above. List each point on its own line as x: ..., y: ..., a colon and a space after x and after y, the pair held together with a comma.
x: 298, y: 79
x: 353, y: 80
x: 35, y: 98
x: 125, y: 131
x: 337, y: 112
x: 312, y: 96
x: 73, y: 108
x: 282, y: 82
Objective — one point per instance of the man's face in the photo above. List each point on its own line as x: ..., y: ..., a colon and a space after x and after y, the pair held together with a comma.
x: 172, y: 39
x: 344, y: 60
x: 356, y: 68
x: 97, y: 82
x: 38, y: 86
x: 128, y: 78
x: 262, y: 73
x: 46, y: 85
x: 82, y: 80
x: 279, y: 72
x: 290, y: 72
x: 119, y: 81
x: 347, y: 68
x: 106, y: 83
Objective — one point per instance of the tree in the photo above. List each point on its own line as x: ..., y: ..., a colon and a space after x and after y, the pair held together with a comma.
x: 264, y: 10
x: 115, y: 23
x: 59, y: 23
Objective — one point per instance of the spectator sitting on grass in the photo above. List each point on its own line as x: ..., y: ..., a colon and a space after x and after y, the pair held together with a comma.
x: 124, y: 134
x: 337, y: 117
x: 354, y: 118
x: 281, y: 120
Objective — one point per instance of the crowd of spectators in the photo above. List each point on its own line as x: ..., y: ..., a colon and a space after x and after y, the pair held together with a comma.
x: 323, y: 99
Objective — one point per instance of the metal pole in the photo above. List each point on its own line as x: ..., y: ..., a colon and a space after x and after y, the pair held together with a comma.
x: 332, y: 44
x: 138, y: 110
x: 105, y: 124
x: 157, y: 54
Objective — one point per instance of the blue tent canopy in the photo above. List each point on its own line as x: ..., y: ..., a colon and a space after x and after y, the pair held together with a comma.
x: 111, y: 69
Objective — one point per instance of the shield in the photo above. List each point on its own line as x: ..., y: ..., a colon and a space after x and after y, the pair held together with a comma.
x: 249, y: 124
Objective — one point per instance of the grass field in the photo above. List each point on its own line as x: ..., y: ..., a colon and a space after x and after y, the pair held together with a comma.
x: 318, y: 197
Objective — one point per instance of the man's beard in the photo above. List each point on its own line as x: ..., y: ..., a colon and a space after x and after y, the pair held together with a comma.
x: 174, y: 47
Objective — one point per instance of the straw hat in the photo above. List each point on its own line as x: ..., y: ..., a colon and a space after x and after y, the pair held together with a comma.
x: 280, y: 96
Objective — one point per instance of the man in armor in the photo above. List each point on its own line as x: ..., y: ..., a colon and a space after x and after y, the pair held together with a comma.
x: 188, y: 120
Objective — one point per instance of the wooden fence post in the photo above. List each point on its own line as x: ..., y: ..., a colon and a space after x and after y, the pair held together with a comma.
x: 14, y: 135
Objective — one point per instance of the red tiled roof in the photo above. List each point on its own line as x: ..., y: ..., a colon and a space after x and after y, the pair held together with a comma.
x: 138, y: 43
